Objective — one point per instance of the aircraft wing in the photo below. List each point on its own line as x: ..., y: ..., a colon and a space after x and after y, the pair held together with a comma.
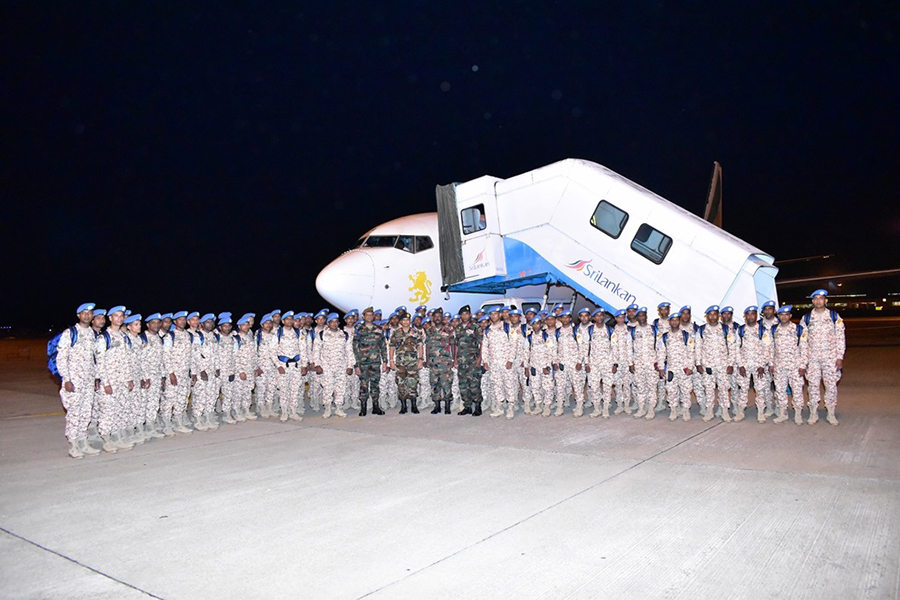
x: 855, y: 275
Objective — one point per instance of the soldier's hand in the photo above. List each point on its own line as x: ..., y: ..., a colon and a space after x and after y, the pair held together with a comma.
x: 193, y: 379
x: 687, y: 370
x: 771, y: 369
x: 699, y: 368
x: 839, y: 364
x: 742, y: 371
x: 303, y: 371
x: 319, y: 371
x: 130, y: 385
x: 173, y: 379
x: 358, y: 372
x: 108, y: 389
x: 615, y: 368
x: 96, y: 385
x: 243, y: 376
x: 281, y: 370
x: 760, y: 371
x: 802, y: 372
x: 587, y: 368
x: 69, y: 386
x: 258, y: 372
x: 577, y: 366
x: 485, y: 367
x: 218, y: 372
x: 385, y: 369
x: 729, y: 370
x: 349, y: 370
x: 546, y: 370
x: 204, y: 376
x: 661, y: 372
x: 509, y: 364
x: 631, y: 368
x: 145, y: 384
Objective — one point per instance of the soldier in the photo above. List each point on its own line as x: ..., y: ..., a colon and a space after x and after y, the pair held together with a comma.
x: 583, y: 338
x: 676, y: 360
x: 203, y: 374
x: 290, y: 362
x: 406, y: 356
x: 661, y: 322
x: 540, y: 357
x: 132, y: 411
x: 370, y: 353
x: 791, y: 355
x: 246, y: 369
x: 754, y: 359
x: 827, y: 345
x: 646, y: 367
x: 697, y: 383
x: 457, y: 404
x: 599, y: 364
x: 569, y: 365
x: 165, y: 324
x: 267, y: 379
x: 726, y: 318
x: 487, y: 388
x: 98, y: 324
x: 716, y: 357
x: 423, y: 389
x: 153, y: 373
x: 498, y: 354
x: 439, y: 342
x: 315, y: 384
x: 351, y: 390
x: 177, y: 360
x: 621, y: 344
x: 467, y: 359
x: 334, y: 360
x: 768, y: 319
x: 226, y: 364
x: 114, y: 368
x: 75, y: 362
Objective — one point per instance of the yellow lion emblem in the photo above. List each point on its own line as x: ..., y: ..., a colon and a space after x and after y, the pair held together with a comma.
x: 420, y: 288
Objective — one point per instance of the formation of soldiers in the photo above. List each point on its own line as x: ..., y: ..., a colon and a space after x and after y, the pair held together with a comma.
x: 126, y: 378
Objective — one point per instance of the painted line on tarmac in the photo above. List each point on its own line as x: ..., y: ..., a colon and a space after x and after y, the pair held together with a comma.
x: 545, y: 509
x: 80, y: 564
x: 51, y: 414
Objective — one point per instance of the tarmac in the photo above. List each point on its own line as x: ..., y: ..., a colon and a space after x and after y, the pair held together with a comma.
x: 438, y: 506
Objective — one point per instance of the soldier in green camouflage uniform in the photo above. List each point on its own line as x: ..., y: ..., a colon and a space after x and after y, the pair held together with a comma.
x: 406, y: 353
x: 370, y: 351
x: 468, y: 336
x: 439, y: 342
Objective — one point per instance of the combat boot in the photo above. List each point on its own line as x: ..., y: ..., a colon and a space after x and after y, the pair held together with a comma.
x: 239, y: 414
x: 831, y: 418
x: 136, y: 435
x: 447, y: 409
x: 546, y: 411
x: 605, y: 413
x: 560, y: 406
x: 119, y: 441
x: 403, y: 406
x: 798, y: 416
x: 227, y: 418
x: 497, y: 410
x: 710, y: 413
x: 74, y: 450
x: 364, y: 408
x: 212, y: 421
x: 726, y: 415
x: 640, y: 412
x: 179, y: 424
x: 85, y: 448
x: 327, y: 412
x: 413, y: 406
x: 686, y: 414
x: 284, y: 415
x: 651, y: 413
x: 93, y: 435
x: 510, y: 410
x: 761, y: 416
x: 199, y: 425
x: 739, y: 414
x: 465, y: 411
x: 167, y: 428
x: 596, y: 412
x: 248, y: 414
x: 579, y: 409
x: 108, y: 445
x: 376, y: 408
x: 769, y: 408
x: 620, y: 407
x: 673, y: 413
x: 782, y: 415
x: 152, y: 431
x: 437, y: 407
x: 813, y: 415
x: 339, y: 411
x: 477, y: 411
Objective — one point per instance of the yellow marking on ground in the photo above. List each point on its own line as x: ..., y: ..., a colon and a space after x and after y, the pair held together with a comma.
x: 53, y: 414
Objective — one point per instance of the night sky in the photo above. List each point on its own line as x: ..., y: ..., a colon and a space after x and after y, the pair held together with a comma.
x: 216, y: 159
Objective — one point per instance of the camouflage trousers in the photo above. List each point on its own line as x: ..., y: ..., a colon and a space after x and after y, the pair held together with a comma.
x: 369, y: 383
x: 678, y: 389
x: 789, y: 377
x: 243, y: 391
x: 423, y: 389
x: 227, y: 389
x: 504, y: 384
x: 469, y: 383
x: 114, y: 408
x: 539, y: 390
x: 150, y: 400
x: 645, y: 379
x: 78, y: 408
x: 600, y: 383
x: 290, y: 387
x: 760, y: 385
x: 175, y: 398
x: 333, y: 382
x: 716, y: 380
x: 441, y: 380
x: 825, y: 372
x: 569, y: 381
x: 407, y: 380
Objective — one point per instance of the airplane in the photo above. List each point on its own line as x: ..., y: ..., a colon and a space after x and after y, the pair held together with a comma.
x: 569, y: 229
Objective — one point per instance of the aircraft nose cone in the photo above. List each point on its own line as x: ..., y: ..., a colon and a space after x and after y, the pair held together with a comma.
x: 348, y: 281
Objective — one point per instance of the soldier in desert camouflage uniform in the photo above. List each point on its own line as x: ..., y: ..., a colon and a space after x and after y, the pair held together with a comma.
x: 177, y: 360
x: 827, y: 345
x: 114, y: 369
x: 75, y: 362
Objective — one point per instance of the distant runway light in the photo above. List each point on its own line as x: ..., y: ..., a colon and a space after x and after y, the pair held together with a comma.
x: 445, y: 86
x: 474, y: 68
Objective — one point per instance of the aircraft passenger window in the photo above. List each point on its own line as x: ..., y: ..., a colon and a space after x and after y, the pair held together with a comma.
x: 651, y: 243
x: 609, y: 219
x: 473, y: 219
x: 380, y: 241
x: 405, y: 243
x: 423, y: 242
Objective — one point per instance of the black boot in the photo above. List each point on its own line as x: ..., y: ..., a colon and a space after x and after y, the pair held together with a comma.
x: 437, y: 407
x: 446, y: 407
x: 363, y: 407
x: 376, y: 409
x: 413, y: 406
x: 403, y: 406
x: 477, y: 412
x: 465, y: 411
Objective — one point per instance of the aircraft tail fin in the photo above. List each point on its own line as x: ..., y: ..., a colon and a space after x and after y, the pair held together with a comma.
x: 713, y: 211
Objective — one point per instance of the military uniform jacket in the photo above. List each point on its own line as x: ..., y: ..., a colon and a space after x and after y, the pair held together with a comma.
x: 290, y: 348
x: 541, y: 349
x: 622, y: 347
x: 406, y: 346
x: 332, y: 350
x: 826, y: 335
x: 369, y: 346
x: 75, y: 361
x: 177, y: 345
x: 716, y: 346
x: 754, y: 346
x: 246, y: 359
x: 152, y: 366
x: 499, y: 347
x: 203, y: 354
x: 114, y: 358
x: 676, y: 350
x: 644, y: 344
x: 791, y: 345
x: 468, y: 342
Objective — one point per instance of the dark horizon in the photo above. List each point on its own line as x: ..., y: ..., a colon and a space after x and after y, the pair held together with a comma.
x: 176, y: 158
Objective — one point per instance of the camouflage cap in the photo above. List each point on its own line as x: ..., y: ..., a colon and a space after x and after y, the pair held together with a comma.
x: 368, y: 309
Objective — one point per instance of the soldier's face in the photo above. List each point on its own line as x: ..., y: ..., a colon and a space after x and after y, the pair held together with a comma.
x: 598, y: 318
x: 712, y: 317
x: 180, y: 322
x: 819, y: 301
x: 193, y: 322
x: 134, y: 327
x: 333, y: 324
x: 784, y: 317
x: 620, y: 320
x: 225, y: 328
x: 153, y: 326
x: 515, y: 319
x: 465, y: 317
x: 85, y: 317
x: 630, y: 314
x: 320, y: 321
x: 727, y: 317
x: 536, y: 326
x: 566, y: 319
x: 585, y: 318
x: 267, y: 326
x: 642, y: 318
x: 289, y: 322
x: 685, y: 316
x: 252, y: 321
x: 276, y: 319
x: 369, y: 317
x: 209, y: 325
x: 664, y: 313
x: 244, y: 327
x: 495, y: 316
x: 551, y: 322
x: 769, y: 312
x: 750, y: 317
x: 117, y: 318
x: 404, y: 323
x: 675, y: 324
x: 166, y: 323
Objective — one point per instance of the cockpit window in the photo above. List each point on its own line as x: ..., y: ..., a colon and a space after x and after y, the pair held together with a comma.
x: 380, y: 241
x: 359, y: 243
x: 423, y: 242
x: 405, y: 243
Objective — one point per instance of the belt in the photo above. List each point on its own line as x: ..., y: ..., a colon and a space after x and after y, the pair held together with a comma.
x: 287, y: 360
